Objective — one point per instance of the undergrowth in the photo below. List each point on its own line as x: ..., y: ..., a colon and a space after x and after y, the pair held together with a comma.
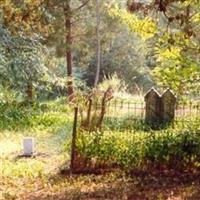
x: 47, y: 115
x: 172, y: 147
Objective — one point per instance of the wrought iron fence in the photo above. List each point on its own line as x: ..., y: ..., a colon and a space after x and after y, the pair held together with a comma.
x: 122, y: 114
x: 118, y: 110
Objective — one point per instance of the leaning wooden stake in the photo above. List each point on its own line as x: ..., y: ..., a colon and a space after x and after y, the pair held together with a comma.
x: 74, y: 135
x: 108, y: 95
x: 89, y: 113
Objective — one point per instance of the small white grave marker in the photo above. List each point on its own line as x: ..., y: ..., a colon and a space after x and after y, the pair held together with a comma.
x: 28, y: 144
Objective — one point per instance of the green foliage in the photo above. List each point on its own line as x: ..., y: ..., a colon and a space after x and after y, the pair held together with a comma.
x: 19, y: 116
x: 175, y: 67
x: 125, y: 123
x: 117, y: 62
x: 114, y: 82
x: 10, y: 96
x: 177, y: 48
x: 14, y: 116
x: 26, y: 16
x: 146, y: 27
x: 175, y: 148
x: 22, y: 61
x: 26, y: 62
x: 173, y: 36
x: 21, y: 169
x: 178, y: 148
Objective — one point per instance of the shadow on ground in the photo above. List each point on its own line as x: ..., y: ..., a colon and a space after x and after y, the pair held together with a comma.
x: 170, y: 186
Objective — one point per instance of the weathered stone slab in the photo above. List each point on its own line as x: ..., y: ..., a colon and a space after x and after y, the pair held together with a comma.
x: 153, y: 111
x: 168, y: 103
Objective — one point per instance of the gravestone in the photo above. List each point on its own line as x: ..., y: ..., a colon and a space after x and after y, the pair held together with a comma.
x: 28, y: 145
x: 153, y: 111
x: 168, y: 103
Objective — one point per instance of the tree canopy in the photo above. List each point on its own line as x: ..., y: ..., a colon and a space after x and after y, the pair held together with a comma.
x: 145, y: 43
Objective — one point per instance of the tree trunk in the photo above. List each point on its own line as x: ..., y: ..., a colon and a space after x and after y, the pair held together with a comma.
x: 68, y: 14
x: 98, y: 56
x: 29, y: 92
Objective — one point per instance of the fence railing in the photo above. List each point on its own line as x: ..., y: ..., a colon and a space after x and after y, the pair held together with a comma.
x: 153, y: 109
x: 132, y: 114
x: 117, y: 110
x: 189, y: 108
x: 120, y: 108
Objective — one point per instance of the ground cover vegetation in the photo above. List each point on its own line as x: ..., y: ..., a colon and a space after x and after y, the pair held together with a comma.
x: 171, y: 148
x: 56, y: 55
x: 153, y: 153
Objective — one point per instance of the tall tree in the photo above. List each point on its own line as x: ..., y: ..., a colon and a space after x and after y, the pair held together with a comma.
x: 176, y: 42
x: 68, y: 24
x: 22, y: 65
x: 98, y: 51
x: 122, y: 52
x: 45, y: 18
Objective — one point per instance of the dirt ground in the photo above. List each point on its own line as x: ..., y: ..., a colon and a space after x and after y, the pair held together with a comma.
x: 39, y: 178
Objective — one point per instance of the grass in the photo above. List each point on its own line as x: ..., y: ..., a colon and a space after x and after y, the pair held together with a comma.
x: 38, y: 178
x: 17, y: 172
x: 50, y: 125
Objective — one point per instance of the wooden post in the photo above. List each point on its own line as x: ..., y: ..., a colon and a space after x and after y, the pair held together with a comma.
x: 74, y: 135
x: 153, y: 111
x: 89, y: 113
x: 168, y: 103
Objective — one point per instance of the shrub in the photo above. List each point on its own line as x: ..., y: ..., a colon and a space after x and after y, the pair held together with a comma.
x: 174, y: 148
x: 115, y: 82
x: 13, y: 116
x: 51, y: 115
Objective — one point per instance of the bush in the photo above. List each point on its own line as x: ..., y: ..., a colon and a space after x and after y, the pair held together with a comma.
x: 173, y: 148
x: 50, y: 115
x: 14, y: 116
x: 115, y: 82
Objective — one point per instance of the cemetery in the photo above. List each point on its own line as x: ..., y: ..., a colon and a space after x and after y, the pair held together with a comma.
x: 99, y: 100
